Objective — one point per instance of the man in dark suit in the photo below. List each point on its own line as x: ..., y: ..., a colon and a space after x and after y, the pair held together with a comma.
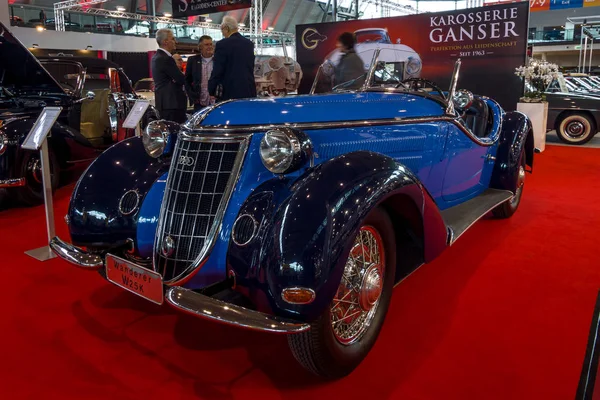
x: 233, y: 64
x: 197, y: 74
x: 169, y: 81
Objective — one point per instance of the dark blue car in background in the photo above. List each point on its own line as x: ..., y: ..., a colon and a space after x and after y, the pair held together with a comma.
x: 298, y: 215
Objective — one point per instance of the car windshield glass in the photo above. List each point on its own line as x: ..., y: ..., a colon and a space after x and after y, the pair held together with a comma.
x: 144, y: 86
x: 388, y: 73
x: 371, y: 37
x: 66, y: 74
x: 102, y: 81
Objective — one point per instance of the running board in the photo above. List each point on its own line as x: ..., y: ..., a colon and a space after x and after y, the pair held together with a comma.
x: 460, y: 218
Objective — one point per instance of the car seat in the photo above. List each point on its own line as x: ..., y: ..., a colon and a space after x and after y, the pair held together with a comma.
x: 94, y: 122
x: 476, y: 118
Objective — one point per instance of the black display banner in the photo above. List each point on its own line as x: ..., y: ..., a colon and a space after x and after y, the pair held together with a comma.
x: 187, y: 8
x: 491, y: 42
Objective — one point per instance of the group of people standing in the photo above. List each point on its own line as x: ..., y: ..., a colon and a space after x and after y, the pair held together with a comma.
x: 224, y: 71
x: 221, y: 72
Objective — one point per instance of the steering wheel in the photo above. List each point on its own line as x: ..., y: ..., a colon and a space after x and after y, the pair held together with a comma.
x: 420, y: 84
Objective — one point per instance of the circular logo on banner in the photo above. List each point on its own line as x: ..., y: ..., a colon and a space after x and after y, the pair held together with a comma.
x: 185, y: 5
x: 311, y: 38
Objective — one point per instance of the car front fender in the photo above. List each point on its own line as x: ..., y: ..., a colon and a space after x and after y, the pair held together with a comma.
x: 305, y: 229
x: 95, y: 218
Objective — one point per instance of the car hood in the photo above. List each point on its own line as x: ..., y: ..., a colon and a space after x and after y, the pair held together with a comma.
x: 20, y: 71
x: 362, y: 106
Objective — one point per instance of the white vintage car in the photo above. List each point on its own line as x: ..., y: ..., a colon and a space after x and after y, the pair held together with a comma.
x: 145, y: 88
x: 400, y: 59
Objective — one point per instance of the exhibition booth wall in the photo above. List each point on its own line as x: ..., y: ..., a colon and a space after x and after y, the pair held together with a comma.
x: 491, y: 41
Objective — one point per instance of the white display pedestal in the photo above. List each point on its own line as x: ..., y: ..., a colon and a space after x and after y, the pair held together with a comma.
x: 538, y: 114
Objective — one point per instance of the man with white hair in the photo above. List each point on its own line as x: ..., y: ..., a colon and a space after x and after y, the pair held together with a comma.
x: 233, y: 64
x: 169, y: 81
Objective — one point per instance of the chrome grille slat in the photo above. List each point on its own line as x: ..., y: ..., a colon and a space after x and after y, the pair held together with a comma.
x: 196, y: 195
x: 212, y: 199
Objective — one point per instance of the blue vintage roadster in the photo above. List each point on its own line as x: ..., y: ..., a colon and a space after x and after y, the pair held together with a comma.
x: 298, y: 215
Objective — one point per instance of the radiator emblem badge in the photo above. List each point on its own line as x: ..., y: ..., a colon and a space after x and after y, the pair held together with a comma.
x: 168, y: 246
x: 185, y: 160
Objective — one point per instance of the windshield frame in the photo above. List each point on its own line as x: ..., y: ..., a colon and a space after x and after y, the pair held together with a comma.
x: 77, y: 92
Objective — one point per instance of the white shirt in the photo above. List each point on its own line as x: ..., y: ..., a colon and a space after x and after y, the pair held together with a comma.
x: 169, y: 54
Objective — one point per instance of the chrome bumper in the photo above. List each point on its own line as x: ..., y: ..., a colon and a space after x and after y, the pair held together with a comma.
x: 191, y: 302
x: 231, y: 314
x: 74, y: 255
x: 9, y: 183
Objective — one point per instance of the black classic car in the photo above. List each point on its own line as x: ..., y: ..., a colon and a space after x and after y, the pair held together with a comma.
x: 95, y: 95
x: 575, y: 115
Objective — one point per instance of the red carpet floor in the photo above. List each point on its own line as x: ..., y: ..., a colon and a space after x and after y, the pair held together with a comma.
x: 503, y: 314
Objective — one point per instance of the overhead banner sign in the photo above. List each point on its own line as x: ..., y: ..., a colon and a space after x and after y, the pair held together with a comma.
x: 491, y: 42
x: 187, y: 8
x: 548, y: 5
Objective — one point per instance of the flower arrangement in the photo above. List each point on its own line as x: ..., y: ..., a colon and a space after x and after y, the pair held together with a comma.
x: 538, y: 75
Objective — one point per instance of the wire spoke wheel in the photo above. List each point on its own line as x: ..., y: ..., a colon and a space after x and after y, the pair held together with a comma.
x: 357, y: 297
x: 348, y: 325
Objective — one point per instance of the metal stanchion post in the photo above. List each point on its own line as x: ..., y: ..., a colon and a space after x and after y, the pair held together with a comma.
x: 45, y: 253
x: 37, y: 140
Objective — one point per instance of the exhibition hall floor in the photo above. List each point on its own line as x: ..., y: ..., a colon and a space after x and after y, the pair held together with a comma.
x: 503, y: 314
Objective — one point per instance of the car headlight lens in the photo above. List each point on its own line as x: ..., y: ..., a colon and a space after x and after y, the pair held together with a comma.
x: 413, y: 66
x: 155, y: 138
x: 285, y: 150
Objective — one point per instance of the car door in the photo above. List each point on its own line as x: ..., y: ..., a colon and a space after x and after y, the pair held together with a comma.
x: 465, y: 161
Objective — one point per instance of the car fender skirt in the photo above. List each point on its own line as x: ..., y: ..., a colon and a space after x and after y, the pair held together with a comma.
x: 305, y: 229
x: 203, y: 306
x: 106, y: 202
x: 516, y: 137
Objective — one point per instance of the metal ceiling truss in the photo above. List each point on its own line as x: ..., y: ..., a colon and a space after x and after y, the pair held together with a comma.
x: 255, y: 19
x: 353, y: 11
x: 255, y: 32
x: 391, y: 5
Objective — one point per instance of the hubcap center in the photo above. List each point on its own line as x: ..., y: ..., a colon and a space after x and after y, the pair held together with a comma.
x: 371, y: 288
x: 576, y: 128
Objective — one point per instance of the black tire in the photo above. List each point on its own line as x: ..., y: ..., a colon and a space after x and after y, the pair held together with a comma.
x: 33, y: 192
x: 318, y: 349
x: 576, y: 128
x: 509, y: 207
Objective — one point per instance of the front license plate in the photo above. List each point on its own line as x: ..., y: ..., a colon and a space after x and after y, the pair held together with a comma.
x: 141, y: 281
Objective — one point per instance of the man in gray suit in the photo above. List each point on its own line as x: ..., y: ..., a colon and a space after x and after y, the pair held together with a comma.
x: 169, y: 81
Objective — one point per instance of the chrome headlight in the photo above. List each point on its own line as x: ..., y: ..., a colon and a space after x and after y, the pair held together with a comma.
x: 155, y: 138
x: 284, y: 150
x: 3, y: 143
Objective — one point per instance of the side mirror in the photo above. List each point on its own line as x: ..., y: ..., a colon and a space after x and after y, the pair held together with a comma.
x: 462, y: 99
x: 88, y: 96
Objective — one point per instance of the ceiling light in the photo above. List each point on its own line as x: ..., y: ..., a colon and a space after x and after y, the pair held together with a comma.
x: 39, y: 28
x: 167, y: 15
x: 242, y: 24
x: 208, y: 20
x: 120, y: 8
x: 270, y: 28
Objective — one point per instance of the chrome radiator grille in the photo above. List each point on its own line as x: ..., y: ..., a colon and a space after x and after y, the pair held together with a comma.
x: 201, y: 178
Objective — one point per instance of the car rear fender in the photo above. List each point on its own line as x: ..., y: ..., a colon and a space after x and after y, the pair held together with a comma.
x: 305, y: 228
x: 516, y: 137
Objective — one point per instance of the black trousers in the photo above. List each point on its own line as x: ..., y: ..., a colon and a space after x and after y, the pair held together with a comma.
x: 174, y: 115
